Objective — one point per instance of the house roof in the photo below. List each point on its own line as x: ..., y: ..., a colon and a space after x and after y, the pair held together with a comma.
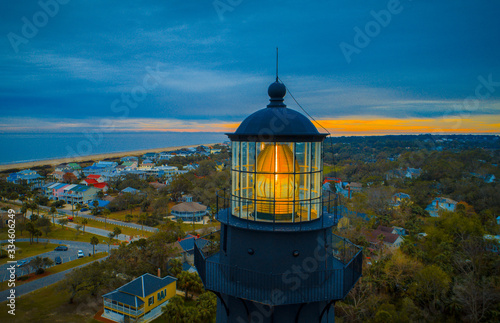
x: 145, y: 285
x: 388, y: 237
x: 189, y: 207
x: 187, y: 243
x: 124, y: 298
x: 129, y: 190
x: 445, y: 200
x: 100, y: 185
x: 90, y: 181
x: 93, y: 176
x: 402, y: 195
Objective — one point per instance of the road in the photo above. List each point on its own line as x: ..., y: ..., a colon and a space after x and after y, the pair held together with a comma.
x: 70, y: 254
x: 41, y: 282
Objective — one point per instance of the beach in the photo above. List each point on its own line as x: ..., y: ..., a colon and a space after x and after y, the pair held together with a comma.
x: 96, y: 157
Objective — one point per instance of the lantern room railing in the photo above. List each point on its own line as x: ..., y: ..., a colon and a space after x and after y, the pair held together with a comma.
x: 280, y: 288
x: 326, y: 206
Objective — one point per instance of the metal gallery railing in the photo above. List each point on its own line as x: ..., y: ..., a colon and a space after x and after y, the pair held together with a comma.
x: 308, y: 286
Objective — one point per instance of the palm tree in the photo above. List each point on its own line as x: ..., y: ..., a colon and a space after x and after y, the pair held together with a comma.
x: 84, y: 223
x: 78, y: 208
x: 53, y: 210
x: 94, y: 242
x: 143, y: 217
x: 106, y: 213
x: 37, y: 234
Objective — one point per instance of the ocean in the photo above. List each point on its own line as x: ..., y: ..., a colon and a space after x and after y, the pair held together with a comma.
x: 26, y: 147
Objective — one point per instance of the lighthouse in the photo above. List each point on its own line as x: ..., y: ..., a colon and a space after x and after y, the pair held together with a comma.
x: 275, y: 258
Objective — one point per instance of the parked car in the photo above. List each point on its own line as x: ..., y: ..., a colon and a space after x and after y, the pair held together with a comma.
x: 61, y: 248
x: 80, y: 254
x: 21, y: 263
x: 58, y: 260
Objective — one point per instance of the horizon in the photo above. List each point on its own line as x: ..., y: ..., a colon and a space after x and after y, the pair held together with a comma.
x: 390, y: 67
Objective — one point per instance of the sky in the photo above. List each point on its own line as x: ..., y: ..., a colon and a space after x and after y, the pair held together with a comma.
x: 358, y: 67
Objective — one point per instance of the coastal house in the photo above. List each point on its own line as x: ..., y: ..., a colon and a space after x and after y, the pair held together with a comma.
x: 130, y: 190
x: 390, y: 239
x: 165, y: 155
x: 71, y: 193
x: 98, y: 178
x: 439, y: 204
x: 151, y: 156
x: 398, y: 198
x: 191, y: 166
x: 140, y: 300
x: 189, y: 211
x: 165, y: 170
x: 78, y: 194
x: 26, y: 177
x: 413, y: 172
x: 185, y: 247
x: 103, y: 186
x: 56, y: 175
x: 146, y: 165
x: 100, y: 167
x: 130, y: 159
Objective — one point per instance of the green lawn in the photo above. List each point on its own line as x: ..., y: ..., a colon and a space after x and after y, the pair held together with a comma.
x: 25, y: 250
x: 57, y: 233
x: 110, y: 227
x: 49, y: 305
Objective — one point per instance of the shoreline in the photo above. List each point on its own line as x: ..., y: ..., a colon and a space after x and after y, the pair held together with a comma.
x: 79, y: 159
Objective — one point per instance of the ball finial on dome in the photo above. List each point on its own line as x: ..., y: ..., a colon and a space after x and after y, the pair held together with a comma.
x: 276, y: 90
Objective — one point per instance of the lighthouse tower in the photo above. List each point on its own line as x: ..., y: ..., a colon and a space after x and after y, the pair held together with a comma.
x: 275, y: 258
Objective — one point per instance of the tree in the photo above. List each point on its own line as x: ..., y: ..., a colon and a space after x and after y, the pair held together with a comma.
x: 106, y: 212
x: 63, y: 222
x: 37, y: 233
x: 476, y: 296
x: 117, y: 231
x: 207, y: 307
x: 175, y: 267
x: 189, y: 282
x: 94, y: 241
x: 53, y: 211
x: 78, y: 208
x: 30, y: 227
x: 430, y: 287
x: 38, y: 264
x: 143, y: 217
x: 84, y: 223
x: 78, y: 227
x: 128, y: 217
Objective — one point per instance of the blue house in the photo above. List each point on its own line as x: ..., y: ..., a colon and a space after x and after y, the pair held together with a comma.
x: 498, y: 220
x: 439, y: 204
x: 28, y: 177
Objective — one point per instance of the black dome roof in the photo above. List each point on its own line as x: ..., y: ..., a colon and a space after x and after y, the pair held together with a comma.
x: 276, y: 121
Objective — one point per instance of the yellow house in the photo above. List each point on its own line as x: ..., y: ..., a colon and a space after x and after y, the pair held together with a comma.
x: 140, y: 300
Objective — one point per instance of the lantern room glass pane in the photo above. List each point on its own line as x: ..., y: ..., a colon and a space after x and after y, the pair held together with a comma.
x: 276, y: 181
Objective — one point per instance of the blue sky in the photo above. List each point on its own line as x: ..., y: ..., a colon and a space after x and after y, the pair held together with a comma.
x: 207, y: 64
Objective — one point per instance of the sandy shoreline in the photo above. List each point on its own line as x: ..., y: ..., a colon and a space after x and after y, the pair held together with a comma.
x: 57, y: 161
